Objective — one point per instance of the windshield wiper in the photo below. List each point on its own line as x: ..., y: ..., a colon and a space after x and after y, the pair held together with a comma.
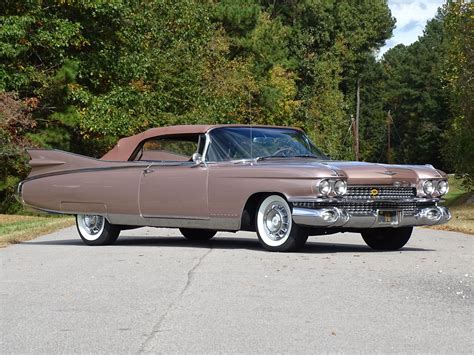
x: 269, y: 157
x: 324, y: 157
x: 287, y: 156
x: 304, y: 156
x: 309, y: 156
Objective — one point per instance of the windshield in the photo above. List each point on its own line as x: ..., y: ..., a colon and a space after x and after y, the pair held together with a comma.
x: 237, y: 143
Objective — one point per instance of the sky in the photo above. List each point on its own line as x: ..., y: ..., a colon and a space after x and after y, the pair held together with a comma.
x: 411, y: 16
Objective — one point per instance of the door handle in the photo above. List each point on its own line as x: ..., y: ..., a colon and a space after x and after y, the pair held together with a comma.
x: 148, y: 171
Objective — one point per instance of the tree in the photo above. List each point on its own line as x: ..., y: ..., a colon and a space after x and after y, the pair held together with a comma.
x: 415, y: 96
x: 458, y: 76
x: 15, y: 123
x: 101, y: 70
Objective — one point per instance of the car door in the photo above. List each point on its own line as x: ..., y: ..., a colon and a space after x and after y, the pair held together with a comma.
x: 172, y: 185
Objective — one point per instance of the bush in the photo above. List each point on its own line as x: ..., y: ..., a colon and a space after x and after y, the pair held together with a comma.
x: 15, y: 121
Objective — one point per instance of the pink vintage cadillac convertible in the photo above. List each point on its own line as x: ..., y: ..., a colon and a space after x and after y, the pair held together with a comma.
x: 204, y: 179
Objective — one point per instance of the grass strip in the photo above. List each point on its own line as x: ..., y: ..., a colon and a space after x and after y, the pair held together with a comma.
x: 462, y: 220
x: 459, y: 202
x: 17, y: 228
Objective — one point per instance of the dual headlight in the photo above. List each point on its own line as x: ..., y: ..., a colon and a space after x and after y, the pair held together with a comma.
x: 435, y: 187
x: 326, y: 187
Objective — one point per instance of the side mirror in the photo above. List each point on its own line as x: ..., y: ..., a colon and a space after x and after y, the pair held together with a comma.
x: 197, y: 158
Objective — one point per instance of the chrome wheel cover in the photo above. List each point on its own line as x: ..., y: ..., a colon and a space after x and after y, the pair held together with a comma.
x: 274, y: 221
x: 90, y: 226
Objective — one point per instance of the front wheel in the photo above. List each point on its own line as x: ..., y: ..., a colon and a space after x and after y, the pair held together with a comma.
x: 387, y: 238
x: 275, y: 228
x: 197, y: 234
x: 96, y: 230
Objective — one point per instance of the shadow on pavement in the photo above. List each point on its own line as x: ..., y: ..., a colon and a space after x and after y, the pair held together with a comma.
x: 311, y: 246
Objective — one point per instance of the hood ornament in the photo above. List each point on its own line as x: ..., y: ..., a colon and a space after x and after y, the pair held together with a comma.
x: 388, y: 172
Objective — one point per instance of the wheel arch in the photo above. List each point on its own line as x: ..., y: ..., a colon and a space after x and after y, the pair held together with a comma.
x: 247, y: 221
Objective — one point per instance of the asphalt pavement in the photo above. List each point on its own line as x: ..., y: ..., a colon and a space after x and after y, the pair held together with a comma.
x: 154, y: 291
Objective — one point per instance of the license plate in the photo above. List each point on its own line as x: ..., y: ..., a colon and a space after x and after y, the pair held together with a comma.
x: 387, y: 217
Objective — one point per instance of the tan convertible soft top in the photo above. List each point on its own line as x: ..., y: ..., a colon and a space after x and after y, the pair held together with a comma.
x: 126, y: 146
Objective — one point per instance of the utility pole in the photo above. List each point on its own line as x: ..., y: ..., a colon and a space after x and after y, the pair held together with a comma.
x: 353, y: 132
x: 389, y: 148
x: 356, y: 126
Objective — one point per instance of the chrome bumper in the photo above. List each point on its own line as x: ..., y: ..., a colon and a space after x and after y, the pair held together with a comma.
x: 337, y: 217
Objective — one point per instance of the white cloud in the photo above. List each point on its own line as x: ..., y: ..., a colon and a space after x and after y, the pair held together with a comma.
x: 411, y: 16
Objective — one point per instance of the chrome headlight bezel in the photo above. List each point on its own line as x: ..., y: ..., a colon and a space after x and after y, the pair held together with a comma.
x: 429, y: 187
x: 340, y: 187
x: 442, y: 187
x: 324, y: 187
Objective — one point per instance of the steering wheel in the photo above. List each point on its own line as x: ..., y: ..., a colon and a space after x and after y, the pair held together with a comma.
x: 281, y: 150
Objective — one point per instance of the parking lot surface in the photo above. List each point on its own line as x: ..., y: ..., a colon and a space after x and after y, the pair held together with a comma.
x: 154, y: 291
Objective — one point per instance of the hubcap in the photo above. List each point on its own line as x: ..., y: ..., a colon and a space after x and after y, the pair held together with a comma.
x: 92, y: 225
x: 276, y: 221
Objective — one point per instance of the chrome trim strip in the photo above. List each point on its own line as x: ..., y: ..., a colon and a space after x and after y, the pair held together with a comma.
x: 424, y: 217
x: 206, y: 147
x: 216, y: 223
x: 230, y: 224
x: 315, y: 217
x: 139, y: 165
x: 174, y: 217
x: 345, y: 200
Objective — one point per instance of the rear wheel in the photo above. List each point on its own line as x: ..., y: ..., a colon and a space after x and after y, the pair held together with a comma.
x: 96, y: 230
x: 197, y: 234
x: 387, y: 238
x: 275, y: 228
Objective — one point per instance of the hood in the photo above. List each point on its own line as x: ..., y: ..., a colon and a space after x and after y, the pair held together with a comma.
x: 361, y: 173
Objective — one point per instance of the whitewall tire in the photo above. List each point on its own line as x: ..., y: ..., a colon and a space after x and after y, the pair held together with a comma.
x: 96, y: 230
x: 275, y: 228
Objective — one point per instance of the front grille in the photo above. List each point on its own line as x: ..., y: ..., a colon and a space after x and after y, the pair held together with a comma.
x: 380, y: 192
x: 363, y: 208
x: 356, y: 208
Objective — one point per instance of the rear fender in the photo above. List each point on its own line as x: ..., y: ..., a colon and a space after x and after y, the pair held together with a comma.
x: 47, y: 161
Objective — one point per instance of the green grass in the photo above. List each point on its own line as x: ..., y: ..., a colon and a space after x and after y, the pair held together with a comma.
x: 17, y: 228
x: 457, y: 200
x: 457, y: 194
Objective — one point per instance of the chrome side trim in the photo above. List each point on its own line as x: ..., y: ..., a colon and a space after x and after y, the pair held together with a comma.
x: 148, y: 216
x: 217, y: 223
x: 140, y: 165
x: 85, y: 170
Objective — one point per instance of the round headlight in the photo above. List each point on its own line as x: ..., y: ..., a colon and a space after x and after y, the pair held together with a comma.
x: 443, y: 187
x: 324, y: 187
x: 428, y: 187
x: 340, y: 187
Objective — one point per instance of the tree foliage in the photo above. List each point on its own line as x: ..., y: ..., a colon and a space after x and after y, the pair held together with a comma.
x: 428, y: 88
x: 415, y: 95
x: 15, y: 122
x: 458, y: 74
x: 86, y: 73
